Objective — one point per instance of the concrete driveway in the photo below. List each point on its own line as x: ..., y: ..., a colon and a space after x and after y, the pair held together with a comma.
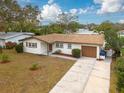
x: 86, y: 76
x: 100, y: 77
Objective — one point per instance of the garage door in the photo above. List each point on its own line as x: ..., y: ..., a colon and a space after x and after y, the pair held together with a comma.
x: 89, y: 51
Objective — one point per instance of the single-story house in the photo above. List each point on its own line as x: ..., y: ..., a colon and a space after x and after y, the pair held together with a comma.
x: 89, y: 45
x: 121, y: 33
x: 13, y: 37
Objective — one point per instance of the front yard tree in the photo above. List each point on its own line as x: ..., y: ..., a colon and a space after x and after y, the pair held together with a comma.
x: 28, y: 19
x: 9, y: 11
x: 13, y: 17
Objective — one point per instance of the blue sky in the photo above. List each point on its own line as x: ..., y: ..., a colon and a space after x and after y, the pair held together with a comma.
x: 89, y: 11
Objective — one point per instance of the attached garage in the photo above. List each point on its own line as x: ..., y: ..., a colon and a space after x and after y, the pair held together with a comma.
x: 89, y: 51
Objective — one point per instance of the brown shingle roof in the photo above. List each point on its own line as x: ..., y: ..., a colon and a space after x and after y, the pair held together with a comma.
x: 73, y: 38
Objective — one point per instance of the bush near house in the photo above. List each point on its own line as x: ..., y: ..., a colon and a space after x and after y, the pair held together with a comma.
x: 10, y: 45
x: 76, y: 53
x: 58, y: 51
x: 19, y: 48
x: 107, y: 46
x: 4, y: 58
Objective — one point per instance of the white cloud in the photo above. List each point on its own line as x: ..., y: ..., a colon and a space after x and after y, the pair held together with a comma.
x: 50, y: 1
x: 110, y: 6
x: 79, y: 11
x: 74, y: 11
x: 82, y: 11
x: 50, y: 12
x: 121, y: 21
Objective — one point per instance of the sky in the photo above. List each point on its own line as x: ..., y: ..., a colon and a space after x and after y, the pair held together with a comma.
x: 89, y: 11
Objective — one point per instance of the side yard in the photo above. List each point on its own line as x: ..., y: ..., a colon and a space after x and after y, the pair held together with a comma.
x: 113, y: 79
x: 15, y: 76
x: 117, y: 74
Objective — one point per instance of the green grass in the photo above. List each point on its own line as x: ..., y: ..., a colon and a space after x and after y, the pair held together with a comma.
x: 122, y: 51
x: 16, y: 76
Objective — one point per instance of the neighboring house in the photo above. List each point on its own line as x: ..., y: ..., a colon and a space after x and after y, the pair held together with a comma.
x: 13, y: 37
x: 85, y: 31
x: 121, y: 33
x: 89, y: 45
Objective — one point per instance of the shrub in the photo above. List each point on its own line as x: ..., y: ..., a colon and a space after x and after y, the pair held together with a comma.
x: 34, y: 66
x: 58, y: 51
x: 120, y: 74
x: 4, y: 58
x: 76, y: 53
x: 122, y: 51
x: 10, y: 45
x: 107, y: 46
x: 122, y: 90
x: 120, y: 64
x: 120, y: 82
x: 19, y: 48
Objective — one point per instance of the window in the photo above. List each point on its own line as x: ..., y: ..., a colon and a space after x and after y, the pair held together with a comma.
x: 26, y: 44
x: 34, y: 45
x: 69, y: 46
x: 59, y: 45
x: 31, y: 45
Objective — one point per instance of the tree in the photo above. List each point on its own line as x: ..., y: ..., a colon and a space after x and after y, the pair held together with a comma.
x: 16, y: 18
x: 56, y: 28
x: 111, y: 36
x: 28, y: 19
x: 105, y: 26
x: 114, y: 41
x: 74, y: 26
x: 65, y: 19
x: 9, y: 11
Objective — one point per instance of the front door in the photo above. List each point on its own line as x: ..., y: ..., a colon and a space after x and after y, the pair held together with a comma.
x: 50, y: 47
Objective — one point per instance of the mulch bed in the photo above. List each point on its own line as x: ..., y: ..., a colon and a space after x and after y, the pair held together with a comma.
x: 4, y: 62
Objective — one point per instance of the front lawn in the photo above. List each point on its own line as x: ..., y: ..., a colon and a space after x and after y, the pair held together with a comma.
x: 16, y: 76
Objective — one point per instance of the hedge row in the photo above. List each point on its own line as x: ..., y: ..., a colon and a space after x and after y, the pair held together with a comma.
x: 120, y: 74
